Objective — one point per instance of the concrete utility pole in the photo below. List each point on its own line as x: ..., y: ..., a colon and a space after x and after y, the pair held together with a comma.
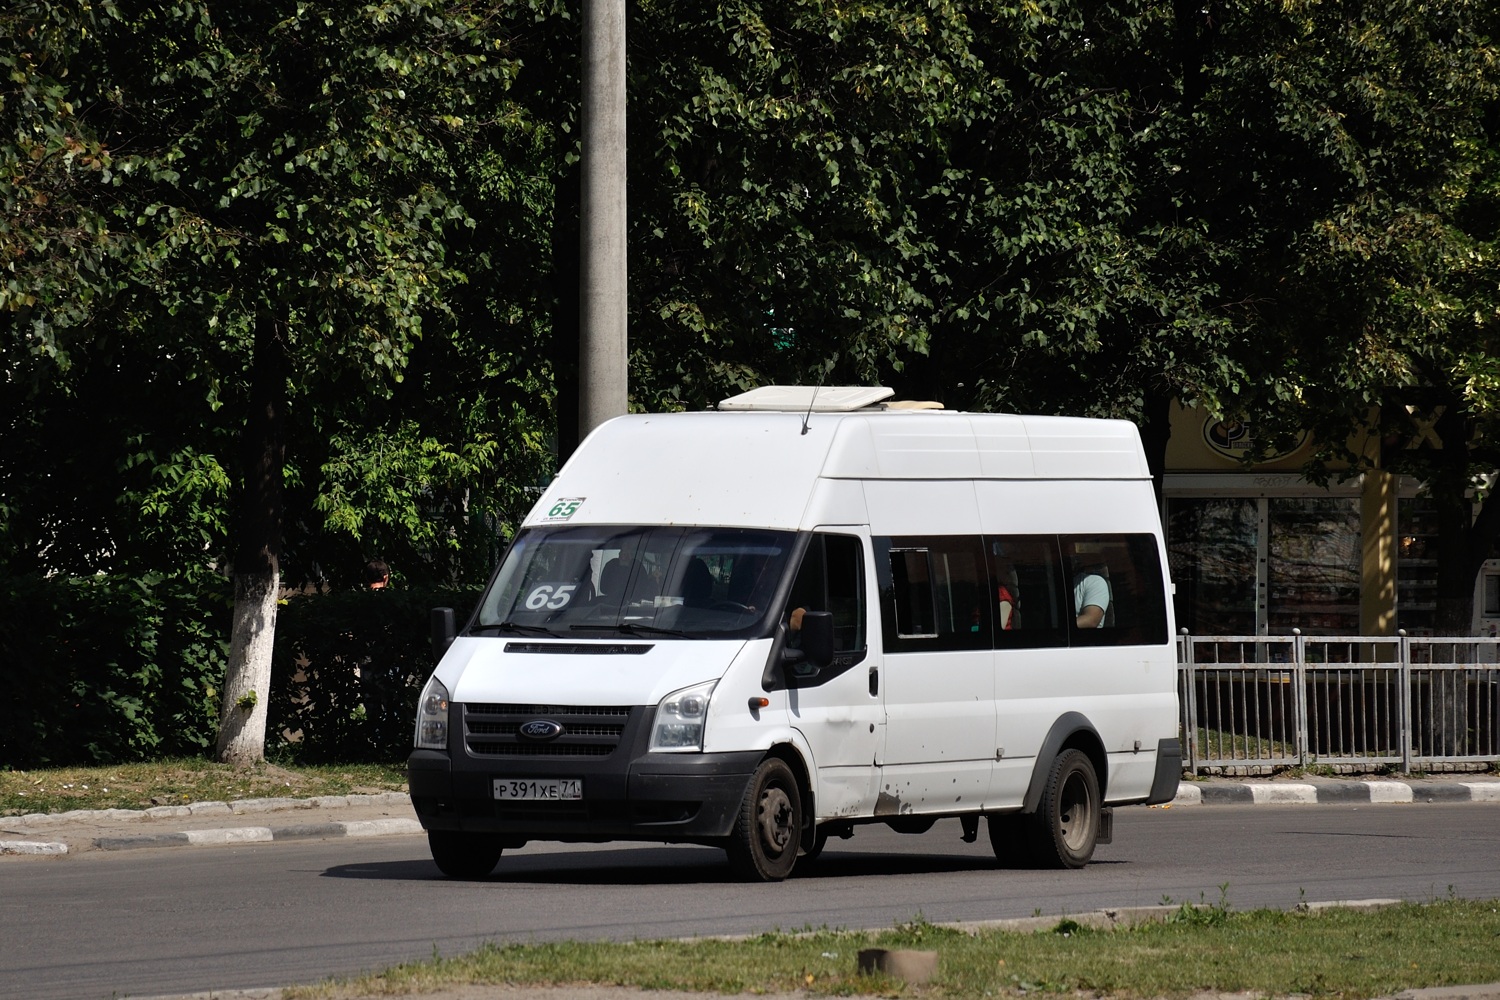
x: 602, y: 353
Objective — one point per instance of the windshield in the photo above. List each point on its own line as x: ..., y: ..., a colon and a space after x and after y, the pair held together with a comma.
x: 583, y: 580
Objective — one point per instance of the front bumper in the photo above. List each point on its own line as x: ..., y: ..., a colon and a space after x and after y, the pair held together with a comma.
x: 628, y: 793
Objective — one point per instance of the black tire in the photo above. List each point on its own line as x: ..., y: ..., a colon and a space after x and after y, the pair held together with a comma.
x: 1010, y: 840
x: 1065, y: 828
x: 768, y: 830
x: 464, y: 855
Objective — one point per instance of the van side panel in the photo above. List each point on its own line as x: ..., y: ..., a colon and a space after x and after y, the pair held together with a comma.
x: 835, y: 501
x: 1080, y: 448
x: 940, y: 716
x: 1050, y: 506
x: 1128, y: 693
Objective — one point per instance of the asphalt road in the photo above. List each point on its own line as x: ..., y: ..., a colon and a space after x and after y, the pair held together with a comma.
x: 180, y: 920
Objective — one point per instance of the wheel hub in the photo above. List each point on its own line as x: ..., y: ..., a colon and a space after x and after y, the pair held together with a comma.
x: 775, y: 815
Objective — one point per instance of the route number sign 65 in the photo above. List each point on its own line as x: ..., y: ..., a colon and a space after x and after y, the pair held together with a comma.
x: 564, y: 508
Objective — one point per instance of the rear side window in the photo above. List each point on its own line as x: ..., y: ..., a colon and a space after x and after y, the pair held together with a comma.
x: 934, y: 593
x: 1027, y: 589
x: 1114, y: 590
x: 944, y: 592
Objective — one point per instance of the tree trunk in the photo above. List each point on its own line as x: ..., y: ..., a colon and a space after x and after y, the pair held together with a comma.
x: 257, y: 561
x: 1156, y: 431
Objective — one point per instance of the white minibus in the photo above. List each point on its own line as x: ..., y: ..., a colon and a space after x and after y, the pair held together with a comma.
x: 807, y: 611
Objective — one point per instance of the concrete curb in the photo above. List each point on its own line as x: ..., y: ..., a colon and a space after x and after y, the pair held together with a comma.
x: 1333, y: 792
x: 32, y: 847
x: 262, y: 834
x: 76, y: 818
x: 239, y: 807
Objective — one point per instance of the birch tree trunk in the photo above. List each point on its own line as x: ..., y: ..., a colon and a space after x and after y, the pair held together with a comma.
x: 257, y: 562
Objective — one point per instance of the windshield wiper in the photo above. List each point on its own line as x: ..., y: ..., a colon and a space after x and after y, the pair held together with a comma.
x: 523, y: 629
x: 632, y: 628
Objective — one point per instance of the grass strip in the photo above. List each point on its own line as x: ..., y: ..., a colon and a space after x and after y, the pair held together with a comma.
x: 181, y: 781
x: 1327, y: 953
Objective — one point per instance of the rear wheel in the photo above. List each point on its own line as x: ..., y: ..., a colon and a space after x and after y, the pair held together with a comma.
x: 1065, y: 827
x: 768, y: 831
x: 463, y: 855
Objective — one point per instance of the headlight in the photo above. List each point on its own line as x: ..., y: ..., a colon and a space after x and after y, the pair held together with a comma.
x: 432, y: 717
x: 680, y: 718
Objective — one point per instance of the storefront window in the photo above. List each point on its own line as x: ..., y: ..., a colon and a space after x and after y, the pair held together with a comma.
x: 1256, y: 565
x: 1416, y: 566
x: 1211, y: 548
x: 1314, y: 564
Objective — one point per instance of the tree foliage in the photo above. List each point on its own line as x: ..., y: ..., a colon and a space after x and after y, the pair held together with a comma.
x: 287, y: 285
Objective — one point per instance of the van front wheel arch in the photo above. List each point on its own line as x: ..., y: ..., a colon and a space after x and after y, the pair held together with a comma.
x: 1065, y: 827
x: 767, y: 832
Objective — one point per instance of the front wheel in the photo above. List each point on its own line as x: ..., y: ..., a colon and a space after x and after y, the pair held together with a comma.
x: 1065, y: 827
x: 768, y: 830
x: 464, y: 855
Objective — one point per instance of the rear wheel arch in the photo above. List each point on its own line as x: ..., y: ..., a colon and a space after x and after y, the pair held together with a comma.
x: 1071, y: 731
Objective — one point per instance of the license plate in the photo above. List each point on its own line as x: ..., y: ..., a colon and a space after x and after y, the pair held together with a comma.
x: 539, y: 789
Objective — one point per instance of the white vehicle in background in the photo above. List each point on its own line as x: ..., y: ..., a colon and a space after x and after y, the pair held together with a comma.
x: 811, y: 610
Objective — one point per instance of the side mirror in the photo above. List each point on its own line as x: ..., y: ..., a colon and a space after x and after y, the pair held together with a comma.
x: 443, y: 631
x: 817, y: 637
x: 814, y: 651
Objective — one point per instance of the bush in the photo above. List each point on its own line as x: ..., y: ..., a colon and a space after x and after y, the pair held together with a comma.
x: 106, y: 669
x: 348, y: 669
x: 109, y: 669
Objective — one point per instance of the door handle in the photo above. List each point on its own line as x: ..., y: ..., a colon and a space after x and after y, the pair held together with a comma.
x: 874, y: 681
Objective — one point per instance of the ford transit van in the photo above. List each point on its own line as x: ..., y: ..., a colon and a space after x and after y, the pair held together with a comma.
x: 808, y: 611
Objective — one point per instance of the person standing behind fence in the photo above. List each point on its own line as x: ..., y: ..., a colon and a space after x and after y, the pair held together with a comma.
x: 377, y: 574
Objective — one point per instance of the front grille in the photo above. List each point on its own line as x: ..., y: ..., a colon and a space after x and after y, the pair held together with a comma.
x: 538, y: 711
x: 493, y: 730
x: 478, y: 728
x: 485, y: 749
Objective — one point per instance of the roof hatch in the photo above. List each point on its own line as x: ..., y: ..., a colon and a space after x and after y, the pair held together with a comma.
x: 808, y: 398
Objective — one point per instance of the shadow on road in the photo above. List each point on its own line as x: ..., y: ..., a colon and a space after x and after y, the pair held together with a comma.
x: 668, y: 866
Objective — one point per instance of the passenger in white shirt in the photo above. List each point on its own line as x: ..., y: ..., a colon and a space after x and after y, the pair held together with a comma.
x: 1090, y: 598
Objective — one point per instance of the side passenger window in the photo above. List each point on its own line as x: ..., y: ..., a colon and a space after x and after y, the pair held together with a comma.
x: 1026, y: 573
x: 1114, y: 588
x: 831, y: 578
x: 935, y: 593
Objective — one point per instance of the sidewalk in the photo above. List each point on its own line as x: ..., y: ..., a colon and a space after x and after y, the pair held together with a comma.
x: 390, y: 813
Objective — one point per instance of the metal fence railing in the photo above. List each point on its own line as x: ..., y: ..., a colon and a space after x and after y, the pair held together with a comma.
x: 1256, y: 704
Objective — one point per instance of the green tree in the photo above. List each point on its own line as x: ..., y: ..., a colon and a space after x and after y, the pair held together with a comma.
x: 1349, y: 172
x: 259, y: 199
x: 781, y: 155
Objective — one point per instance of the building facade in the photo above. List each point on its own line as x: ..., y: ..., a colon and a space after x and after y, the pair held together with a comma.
x: 1258, y: 549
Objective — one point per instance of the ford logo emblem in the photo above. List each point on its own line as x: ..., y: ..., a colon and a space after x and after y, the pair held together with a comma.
x: 541, y: 729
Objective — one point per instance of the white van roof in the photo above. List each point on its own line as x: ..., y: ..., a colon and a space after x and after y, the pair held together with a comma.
x: 760, y: 467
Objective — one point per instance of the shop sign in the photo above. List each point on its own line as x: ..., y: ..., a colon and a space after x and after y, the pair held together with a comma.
x: 1236, y: 439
